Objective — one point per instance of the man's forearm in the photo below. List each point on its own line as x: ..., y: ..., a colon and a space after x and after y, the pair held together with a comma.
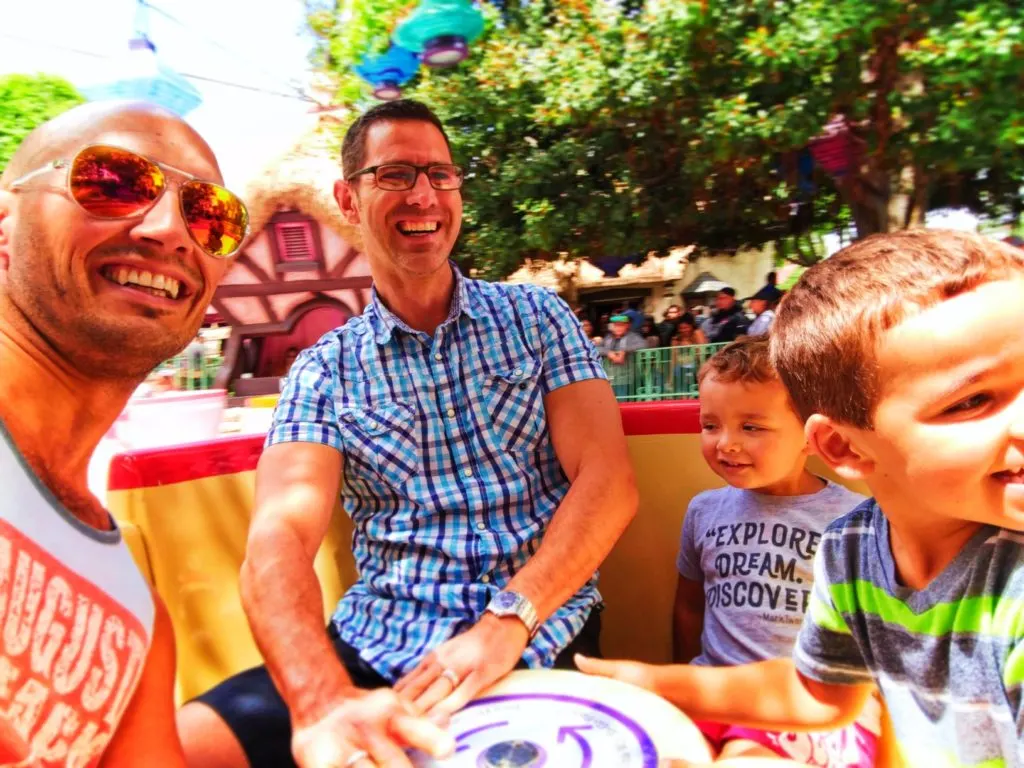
x: 768, y: 695
x: 284, y: 604
x: 599, y: 505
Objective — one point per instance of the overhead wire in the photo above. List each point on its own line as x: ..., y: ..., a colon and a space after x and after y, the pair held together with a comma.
x: 234, y: 54
x: 56, y: 46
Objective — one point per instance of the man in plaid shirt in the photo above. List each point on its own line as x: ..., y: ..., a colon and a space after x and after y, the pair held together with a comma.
x: 484, y: 467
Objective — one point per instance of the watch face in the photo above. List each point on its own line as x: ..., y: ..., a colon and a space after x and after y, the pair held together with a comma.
x: 505, y: 600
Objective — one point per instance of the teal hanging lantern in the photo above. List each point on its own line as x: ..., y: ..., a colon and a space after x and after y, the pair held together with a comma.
x: 388, y: 72
x: 440, y: 31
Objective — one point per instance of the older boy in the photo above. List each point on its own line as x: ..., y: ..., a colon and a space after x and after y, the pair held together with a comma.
x: 906, y: 356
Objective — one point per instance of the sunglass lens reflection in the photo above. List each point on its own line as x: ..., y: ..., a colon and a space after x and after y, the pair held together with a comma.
x: 111, y: 183
x: 216, y: 218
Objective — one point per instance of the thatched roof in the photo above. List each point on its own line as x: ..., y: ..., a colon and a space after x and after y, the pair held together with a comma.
x: 558, y: 274
x: 654, y: 269
x: 583, y: 275
x: 303, y: 179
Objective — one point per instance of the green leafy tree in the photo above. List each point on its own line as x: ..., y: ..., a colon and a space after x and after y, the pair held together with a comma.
x: 601, y: 128
x: 27, y: 101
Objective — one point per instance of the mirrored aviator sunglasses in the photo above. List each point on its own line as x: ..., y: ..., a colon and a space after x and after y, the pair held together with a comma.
x: 114, y: 183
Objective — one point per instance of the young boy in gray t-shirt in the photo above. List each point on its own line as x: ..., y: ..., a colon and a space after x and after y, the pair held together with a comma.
x: 748, y: 554
x: 745, y: 559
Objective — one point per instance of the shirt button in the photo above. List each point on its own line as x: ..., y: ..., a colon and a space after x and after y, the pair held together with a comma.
x: 437, y: 356
x: 481, y: 526
x: 485, y: 579
x: 451, y: 411
x: 517, y: 372
x: 467, y: 472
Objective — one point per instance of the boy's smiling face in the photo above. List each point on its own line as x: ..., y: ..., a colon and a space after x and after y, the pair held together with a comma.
x: 948, y: 437
x: 750, y: 435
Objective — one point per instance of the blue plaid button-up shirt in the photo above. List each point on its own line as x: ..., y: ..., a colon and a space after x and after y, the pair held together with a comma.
x: 450, y: 476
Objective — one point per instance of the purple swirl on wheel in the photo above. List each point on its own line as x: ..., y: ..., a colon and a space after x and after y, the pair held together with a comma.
x: 588, y: 728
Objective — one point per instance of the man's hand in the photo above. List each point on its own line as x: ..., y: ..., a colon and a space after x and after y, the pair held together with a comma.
x: 379, y: 724
x: 617, y: 357
x: 633, y: 672
x: 476, y: 659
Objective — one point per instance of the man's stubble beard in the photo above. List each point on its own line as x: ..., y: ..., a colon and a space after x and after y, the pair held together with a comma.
x: 96, y: 347
x: 419, y: 265
x: 100, y: 349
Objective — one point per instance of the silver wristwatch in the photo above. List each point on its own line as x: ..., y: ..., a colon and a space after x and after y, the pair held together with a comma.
x: 514, y: 604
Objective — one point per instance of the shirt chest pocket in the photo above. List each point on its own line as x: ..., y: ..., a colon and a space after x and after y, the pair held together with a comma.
x: 381, y: 441
x: 514, y: 402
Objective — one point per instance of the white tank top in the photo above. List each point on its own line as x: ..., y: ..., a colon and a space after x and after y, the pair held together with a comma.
x: 76, y: 620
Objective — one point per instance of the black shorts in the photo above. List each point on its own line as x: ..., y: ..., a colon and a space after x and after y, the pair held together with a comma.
x: 254, y: 710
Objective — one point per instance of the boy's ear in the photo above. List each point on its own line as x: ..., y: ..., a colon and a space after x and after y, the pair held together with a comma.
x: 834, y: 444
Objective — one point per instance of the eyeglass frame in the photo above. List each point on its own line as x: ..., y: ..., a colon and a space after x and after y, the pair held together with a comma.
x: 61, y: 163
x: 424, y: 169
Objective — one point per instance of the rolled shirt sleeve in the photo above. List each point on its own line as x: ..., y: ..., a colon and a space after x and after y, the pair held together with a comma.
x: 305, y: 412
x: 568, y: 356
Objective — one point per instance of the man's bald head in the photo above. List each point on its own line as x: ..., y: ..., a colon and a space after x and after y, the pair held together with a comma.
x: 56, y: 257
x: 70, y: 131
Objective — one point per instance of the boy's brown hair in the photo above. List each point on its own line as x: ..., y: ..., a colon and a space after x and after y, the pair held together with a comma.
x: 824, y: 340
x: 744, y: 360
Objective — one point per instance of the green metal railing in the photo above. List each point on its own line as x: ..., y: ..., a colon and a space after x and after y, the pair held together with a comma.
x: 193, y: 373
x: 662, y: 373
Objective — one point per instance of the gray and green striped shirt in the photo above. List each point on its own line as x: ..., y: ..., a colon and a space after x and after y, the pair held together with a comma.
x: 948, y: 659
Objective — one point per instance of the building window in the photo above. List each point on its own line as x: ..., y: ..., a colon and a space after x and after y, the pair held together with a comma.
x: 295, y: 239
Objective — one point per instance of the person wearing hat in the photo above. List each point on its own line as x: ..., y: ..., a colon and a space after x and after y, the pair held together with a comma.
x: 617, y: 349
x: 727, y: 321
x: 762, y: 304
x: 771, y: 288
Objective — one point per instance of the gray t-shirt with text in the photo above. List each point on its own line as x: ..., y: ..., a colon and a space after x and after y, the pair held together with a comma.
x: 754, y: 553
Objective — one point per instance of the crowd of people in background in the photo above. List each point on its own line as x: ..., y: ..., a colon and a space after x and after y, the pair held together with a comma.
x: 627, y: 329
x: 688, y: 323
x: 620, y: 333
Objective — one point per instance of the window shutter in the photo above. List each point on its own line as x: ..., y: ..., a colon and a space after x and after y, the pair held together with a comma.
x: 295, y: 241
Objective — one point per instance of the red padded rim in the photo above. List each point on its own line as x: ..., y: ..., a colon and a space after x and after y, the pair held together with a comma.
x: 230, y: 455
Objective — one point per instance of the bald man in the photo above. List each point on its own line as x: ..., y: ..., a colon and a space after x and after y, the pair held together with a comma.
x: 103, y: 275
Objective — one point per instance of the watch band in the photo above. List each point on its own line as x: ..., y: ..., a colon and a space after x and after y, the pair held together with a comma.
x: 507, y: 603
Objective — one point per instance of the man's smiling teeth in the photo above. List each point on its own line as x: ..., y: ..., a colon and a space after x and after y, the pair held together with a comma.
x: 157, y: 285
x: 417, y: 226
